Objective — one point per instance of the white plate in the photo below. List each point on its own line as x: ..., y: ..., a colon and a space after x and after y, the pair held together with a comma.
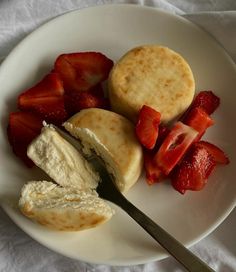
x: 114, y: 29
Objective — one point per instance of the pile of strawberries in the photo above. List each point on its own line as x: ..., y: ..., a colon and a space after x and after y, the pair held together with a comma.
x: 74, y: 83
x: 178, y: 153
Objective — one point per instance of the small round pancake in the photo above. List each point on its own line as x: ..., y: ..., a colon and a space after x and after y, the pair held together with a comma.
x: 113, y: 138
x: 64, y: 209
x: 151, y: 75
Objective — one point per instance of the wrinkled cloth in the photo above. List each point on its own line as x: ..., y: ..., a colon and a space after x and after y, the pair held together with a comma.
x: 19, y: 252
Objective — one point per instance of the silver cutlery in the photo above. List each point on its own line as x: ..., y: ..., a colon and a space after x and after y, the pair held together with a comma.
x: 108, y: 190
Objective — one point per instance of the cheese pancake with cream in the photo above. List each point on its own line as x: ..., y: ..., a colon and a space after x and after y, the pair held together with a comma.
x: 61, y: 161
x: 152, y: 75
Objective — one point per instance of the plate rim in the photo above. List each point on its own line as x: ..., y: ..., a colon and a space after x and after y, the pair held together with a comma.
x: 128, y: 5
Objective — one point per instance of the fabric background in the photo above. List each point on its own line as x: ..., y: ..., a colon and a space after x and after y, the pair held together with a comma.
x: 18, y: 252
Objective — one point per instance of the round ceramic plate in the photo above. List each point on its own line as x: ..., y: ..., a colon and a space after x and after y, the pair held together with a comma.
x: 113, y: 30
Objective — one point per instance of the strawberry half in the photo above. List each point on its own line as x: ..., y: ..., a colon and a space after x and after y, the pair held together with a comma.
x: 93, y: 98
x: 192, y: 173
x: 82, y: 71
x: 23, y: 127
x: 46, y: 98
x: 198, y: 119
x: 153, y: 173
x: 218, y: 154
x: 207, y: 101
x: 147, y: 126
x: 174, y: 146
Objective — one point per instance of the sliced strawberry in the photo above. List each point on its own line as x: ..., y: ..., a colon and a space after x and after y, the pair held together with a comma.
x: 153, y: 173
x: 46, y: 98
x: 23, y: 127
x: 206, y: 100
x: 218, y: 154
x: 198, y: 119
x: 81, y: 71
x: 93, y: 98
x: 174, y: 146
x: 192, y: 173
x: 163, y: 131
x: 147, y: 126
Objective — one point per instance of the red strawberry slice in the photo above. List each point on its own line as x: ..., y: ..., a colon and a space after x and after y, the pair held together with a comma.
x: 82, y: 71
x: 192, y: 173
x: 46, y: 98
x: 174, y: 146
x: 206, y: 100
x: 93, y: 98
x: 153, y: 173
x: 218, y: 154
x: 163, y: 131
x: 23, y: 127
x: 147, y: 126
x: 198, y: 119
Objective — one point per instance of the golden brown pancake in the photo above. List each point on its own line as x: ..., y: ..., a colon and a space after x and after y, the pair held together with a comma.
x: 112, y: 136
x: 152, y: 75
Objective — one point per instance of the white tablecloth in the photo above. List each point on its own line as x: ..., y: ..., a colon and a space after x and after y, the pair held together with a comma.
x: 18, y: 252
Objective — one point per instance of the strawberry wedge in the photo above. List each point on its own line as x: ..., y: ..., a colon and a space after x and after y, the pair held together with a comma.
x: 198, y: 119
x: 218, y: 154
x: 163, y: 131
x: 153, y: 173
x: 46, y: 99
x: 206, y: 100
x: 174, y: 147
x: 82, y: 71
x: 193, y: 171
x: 93, y: 98
x: 23, y: 127
x: 147, y: 126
